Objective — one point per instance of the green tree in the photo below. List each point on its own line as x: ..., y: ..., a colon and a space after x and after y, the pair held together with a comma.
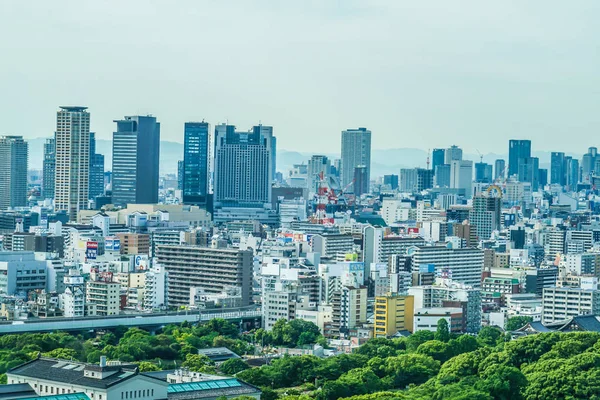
x: 233, y: 366
x: 488, y: 336
x: 442, y: 332
x: 503, y: 382
x: 62, y: 353
x: 145, y: 366
x: 198, y: 363
x: 515, y: 323
x: 407, y: 369
x: 437, y: 350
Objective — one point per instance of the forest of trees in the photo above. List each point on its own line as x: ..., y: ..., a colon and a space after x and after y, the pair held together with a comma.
x: 425, y: 365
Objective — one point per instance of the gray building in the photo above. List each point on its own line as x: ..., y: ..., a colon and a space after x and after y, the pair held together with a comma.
x: 96, y: 169
x: 135, y: 164
x: 72, y: 172
x: 212, y: 270
x: 13, y: 172
x: 557, y: 168
x: 453, y: 153
x: 356, y: 151
x: 196, y: 156
x: 242, y: 184
x: 21, y: 273
x: 499, y: 169
x: 49, y: 169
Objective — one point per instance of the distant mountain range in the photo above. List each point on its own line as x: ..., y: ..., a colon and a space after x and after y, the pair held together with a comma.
x: 388, y: 161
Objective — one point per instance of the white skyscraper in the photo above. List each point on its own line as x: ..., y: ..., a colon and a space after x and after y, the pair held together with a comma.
x: 461, y: 176
x: 72, y: 160
x: 356, y: 151
x: 13, y: 172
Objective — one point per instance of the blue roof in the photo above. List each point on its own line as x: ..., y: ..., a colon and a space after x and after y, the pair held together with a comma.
x: 70, y: 396
x: 208, y: 385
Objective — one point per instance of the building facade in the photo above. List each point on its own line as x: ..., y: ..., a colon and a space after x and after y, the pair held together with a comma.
x: 13, y: 172
x: 196, y: 155
x: 356, y: 151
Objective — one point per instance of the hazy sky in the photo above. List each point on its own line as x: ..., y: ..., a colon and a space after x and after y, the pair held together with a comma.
x: 418, y: 74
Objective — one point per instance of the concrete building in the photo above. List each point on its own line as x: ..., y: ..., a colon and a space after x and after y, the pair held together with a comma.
x: 356, y: 151
x: 560, y: 304
x: 317, y: 165
x: 349, y: 310
x: 426, y: 319
x: 518, y: 151
x: 333, y: 246
x: 393, y: 314
x: 461, y: 265
x: 107, y: 381
x: 135, y: 163
x: 21, y: 273
x: 72, y: 170
x: 243, y: 168
x: 379, y: 247
x: 13, y: 172
x: 156, y: 292
x: 134, y: 243
x: 486, y: 215
x: 212, y: 269
x: 453, y: 153
x: 96, y: 180
x: 104, y: 294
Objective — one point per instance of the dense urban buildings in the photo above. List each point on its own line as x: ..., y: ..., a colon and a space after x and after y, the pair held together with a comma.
x: 135, y: 163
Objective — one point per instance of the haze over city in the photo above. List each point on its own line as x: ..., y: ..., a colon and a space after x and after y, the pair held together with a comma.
x: 417, y: 75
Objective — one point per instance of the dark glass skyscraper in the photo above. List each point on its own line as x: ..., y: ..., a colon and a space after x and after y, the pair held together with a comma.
x: 49, y: 169
x: 437, y: 158
x: 517, y: 151
x: 557, y: 168
x: 136, y: 153
x: 391, y: 180
x: 196, y: 148
x: 499, y: 167
x: 96, y: 186
x: 529, y: 171
x: 483, y: 172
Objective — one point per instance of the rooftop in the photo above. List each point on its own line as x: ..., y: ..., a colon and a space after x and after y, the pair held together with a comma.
x: 73, y: 108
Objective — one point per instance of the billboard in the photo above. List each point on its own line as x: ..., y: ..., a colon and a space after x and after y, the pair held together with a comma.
x: 91, y: 250
x: 112, y: 243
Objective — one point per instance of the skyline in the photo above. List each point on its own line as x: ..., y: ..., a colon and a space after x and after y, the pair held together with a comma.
x: 411, y: 74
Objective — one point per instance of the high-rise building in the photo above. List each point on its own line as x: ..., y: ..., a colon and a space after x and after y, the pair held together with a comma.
x: 588, y: 163
x: 437, y: 157
x: 49, y: 169
x: 273, y: 153
x: 486, y: 215
x: 542, y: 177
x: 356, y: 150
x: 499, y: 167
x: 461, y: 176
x: 96, y: 169
x: 529, y: 171
x: 361, y: 180
x: 408, y: 180
x: 242, y: 185
x: 391, y: 180
x: 180, y: 174
x: 424, y: 179
x: 13, y: 172
x: 453, y: 153
x: 72, y: 175
x: 571, y: 173
x: 557, y: 168
x: 517, y: 151
x: 442, y: 175
x: 136, y: 152
x: 483, y: 172
x: 318, y: 164
x: 196, y: 154
x: 461, y: 265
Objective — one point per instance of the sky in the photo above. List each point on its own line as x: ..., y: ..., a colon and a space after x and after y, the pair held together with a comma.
x: 418, y: 74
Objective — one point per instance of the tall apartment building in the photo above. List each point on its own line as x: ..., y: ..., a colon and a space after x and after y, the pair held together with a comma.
x: 13, y: 172
x: 135, y: 163
x: 96, y: 169
x: 196, y: 155
x: 356, y: 151
x: 49, y: 169
x: 317, y: 165
x: 242, y: 186
x: 560, y: 304
x: 213, y: 270
x: 155, y: 290
x: 486, y: 215
x: 104, y: 295
x: 379, y: 247
x: 392, y: 314
x: 349, y: 309
x: 461, y: 265
x: 72, y: 171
